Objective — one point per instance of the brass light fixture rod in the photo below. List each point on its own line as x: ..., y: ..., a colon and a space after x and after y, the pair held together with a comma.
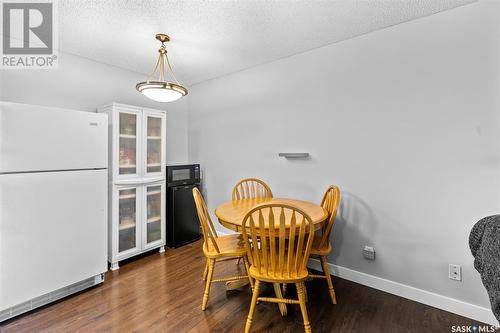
x: 163, y: 59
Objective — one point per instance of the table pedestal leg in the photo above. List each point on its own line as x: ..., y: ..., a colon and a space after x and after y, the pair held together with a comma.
x: 277, y: 291
x: 236, y: 284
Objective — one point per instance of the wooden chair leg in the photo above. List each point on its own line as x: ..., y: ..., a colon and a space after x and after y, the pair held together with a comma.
x: 324, y: 264
x: 284, y: 289
x: 277, y: 291
x: 303, y: 308
x: 306, y: 297
x: 211, y: 264
x: 247, y: 268
x: 255, y: 295
x: 205, y: 272
x: 238, y: 262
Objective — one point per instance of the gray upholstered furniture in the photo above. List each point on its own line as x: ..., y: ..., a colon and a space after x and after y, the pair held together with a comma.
x: 484, y: 242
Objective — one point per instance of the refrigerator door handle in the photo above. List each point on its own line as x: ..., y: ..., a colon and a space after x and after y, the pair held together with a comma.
x: 138, y: 181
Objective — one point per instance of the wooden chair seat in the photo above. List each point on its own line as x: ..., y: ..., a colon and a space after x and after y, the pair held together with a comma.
x: 229, y: 246
x: 282, y: 277
x: 319, y: 249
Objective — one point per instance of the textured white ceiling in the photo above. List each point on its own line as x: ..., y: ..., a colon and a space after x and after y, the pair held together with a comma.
x: 214, y: 38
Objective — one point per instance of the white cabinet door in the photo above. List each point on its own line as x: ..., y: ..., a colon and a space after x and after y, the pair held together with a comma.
x: 128, y: 220
x: 154, y: 215
x: 154, y: 143
x: 128, y: 134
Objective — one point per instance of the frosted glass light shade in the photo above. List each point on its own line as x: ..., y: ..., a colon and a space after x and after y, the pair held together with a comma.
x: 161, y: 91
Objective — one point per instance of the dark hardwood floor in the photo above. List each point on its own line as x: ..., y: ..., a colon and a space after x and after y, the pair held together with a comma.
x: 162, y: 293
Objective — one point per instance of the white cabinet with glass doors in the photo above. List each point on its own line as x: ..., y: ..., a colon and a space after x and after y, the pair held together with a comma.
x: 137, y: 180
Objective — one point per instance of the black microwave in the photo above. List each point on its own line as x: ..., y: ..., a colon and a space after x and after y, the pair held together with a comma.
x: 183, y: 174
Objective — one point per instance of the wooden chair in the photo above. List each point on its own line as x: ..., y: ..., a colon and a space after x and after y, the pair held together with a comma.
x: 278, y: 248
x: 217, y: 248
x: 251, y: 188
x: 321, y: 247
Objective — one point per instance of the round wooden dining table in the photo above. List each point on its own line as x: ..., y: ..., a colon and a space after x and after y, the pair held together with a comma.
x: 231, y: 213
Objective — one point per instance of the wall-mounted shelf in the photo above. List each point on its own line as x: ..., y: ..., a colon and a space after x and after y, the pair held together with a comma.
x: 294, y: 155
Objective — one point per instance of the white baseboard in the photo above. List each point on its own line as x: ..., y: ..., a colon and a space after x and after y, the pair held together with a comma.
x: 449, y: 304
x: 418, y: 295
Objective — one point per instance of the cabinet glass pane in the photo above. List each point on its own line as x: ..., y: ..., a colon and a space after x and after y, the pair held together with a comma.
x: 154, y: 144
x: 128, y: 143
x: 153, y: 213
x: 127, y: 219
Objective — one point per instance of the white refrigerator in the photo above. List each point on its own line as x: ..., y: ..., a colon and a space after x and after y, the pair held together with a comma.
x: 53, y: 204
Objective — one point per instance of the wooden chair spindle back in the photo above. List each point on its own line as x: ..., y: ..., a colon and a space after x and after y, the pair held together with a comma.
x: 278, y: 246
x: 209, y: 232
x: 330, y: 202
x: 250, y: 188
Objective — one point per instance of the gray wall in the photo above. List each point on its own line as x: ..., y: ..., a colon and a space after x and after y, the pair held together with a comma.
x: 84, y: 84
x: 405, y: 120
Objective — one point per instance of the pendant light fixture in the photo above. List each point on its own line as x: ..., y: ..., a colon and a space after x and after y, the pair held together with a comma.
x: 156, y: 87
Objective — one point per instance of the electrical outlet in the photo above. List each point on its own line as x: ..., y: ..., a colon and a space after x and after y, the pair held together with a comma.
x: 369, y: 253
x: 455, y: 272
